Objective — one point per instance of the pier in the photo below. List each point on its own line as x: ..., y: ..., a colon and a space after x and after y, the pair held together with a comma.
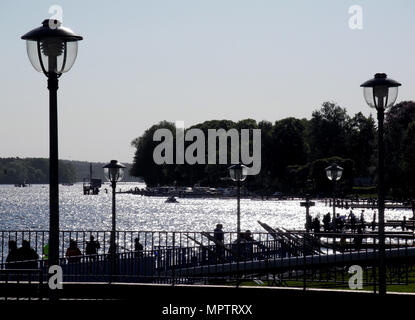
x: 366, y: 204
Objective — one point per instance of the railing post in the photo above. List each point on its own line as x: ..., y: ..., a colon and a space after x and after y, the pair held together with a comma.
x: 305, y: 267
x: 173, y: 258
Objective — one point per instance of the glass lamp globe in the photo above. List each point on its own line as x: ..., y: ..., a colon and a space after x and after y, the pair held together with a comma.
x: 238, y: 172
x: 380, y: 92
x: 334, y: 172
x: 114, y: 171
x: 51, y: 47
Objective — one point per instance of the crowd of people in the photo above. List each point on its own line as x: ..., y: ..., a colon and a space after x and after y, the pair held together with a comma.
x: 338, y: 224
x: 26, y: 257
x: 242, y: 246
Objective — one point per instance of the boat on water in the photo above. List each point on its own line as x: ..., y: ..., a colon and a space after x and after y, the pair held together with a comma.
x: 171, y: 199
x: 21, y: 185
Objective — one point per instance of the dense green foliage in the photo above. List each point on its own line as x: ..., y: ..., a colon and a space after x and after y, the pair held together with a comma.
x: 297, y: 150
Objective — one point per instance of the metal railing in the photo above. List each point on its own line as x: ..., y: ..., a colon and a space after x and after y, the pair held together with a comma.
x: 279, y: 258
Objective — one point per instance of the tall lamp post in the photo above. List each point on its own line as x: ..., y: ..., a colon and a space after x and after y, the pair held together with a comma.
x: 238, y: 173
x: 334, y: 173
x: 114, y: 172
x: 307, y: 204
x: 52, y: 49
x: 381, y: 93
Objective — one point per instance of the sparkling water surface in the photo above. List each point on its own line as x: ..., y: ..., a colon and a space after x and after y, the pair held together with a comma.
x: 28, y: 209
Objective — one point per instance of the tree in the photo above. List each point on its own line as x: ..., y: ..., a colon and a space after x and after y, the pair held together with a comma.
x: 360, y: 142
x: 33, y: 170
x: 327, y: 131
x: 408, y: 159
x: 398, y: 134
x: 288, y: 145
x: 144, y: 165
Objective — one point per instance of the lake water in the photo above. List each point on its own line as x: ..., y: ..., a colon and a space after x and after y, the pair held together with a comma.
x: 28, y: 208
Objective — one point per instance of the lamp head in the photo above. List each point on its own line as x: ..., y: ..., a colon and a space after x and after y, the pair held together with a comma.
x: 114, y: 171
x: 238, y: 172
x: 334, y: 172
x: 380, y: 92
x: 51, y: 47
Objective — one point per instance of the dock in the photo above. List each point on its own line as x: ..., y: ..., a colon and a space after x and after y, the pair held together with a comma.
x: 366, y: 204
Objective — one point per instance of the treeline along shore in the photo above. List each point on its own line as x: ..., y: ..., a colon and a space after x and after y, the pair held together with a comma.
x: 36, y: 171
x: 294, y: 153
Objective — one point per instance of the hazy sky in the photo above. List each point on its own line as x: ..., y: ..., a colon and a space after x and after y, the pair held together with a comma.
x: 194, y: 60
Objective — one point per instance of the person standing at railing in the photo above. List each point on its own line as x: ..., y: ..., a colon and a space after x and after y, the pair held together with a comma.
x: 218, y: 233
x: 12, y: 257
x: 73, y: 253
x: 138, y: 248
x: 249, y: 245
x: 316, y: 225
x: 219, y: 237
x: 358, y: 240
x: 374, y: 221
x: 238, y: 246
x: 343, y: 243
x: 46, y: 254
x: 339, y: 223
x: 326, y: 221
x: 352, y: 221
x: 362, y: 220
x: 92, y: 247
x: 28, y: 255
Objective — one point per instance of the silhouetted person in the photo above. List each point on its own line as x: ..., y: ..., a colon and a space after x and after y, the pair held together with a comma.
x: 352, y: 220
x: 316, y: 225
x: 138, y: 248
x: 248, y: 236
x: 12, y: 257
x: 27, y: 255
x: 218, y: 233
x: 374, y: 221
x: 248, y: 245
x: 326, y: 221
x: 220, y: 237
x: 362, y: 217
x: 46, y: 251
x: 343, y: 243
x: 358, y: 239
x: 73, y: 253
x: 92, y: 246
x: 239, y: 250
x: 339, y: 223
x: 342, y: 222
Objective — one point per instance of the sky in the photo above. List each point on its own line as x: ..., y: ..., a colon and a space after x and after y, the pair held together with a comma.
x: 142, y: 62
